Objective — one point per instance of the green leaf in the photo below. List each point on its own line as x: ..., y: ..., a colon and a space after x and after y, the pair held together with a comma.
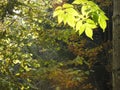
x: 102, y: 22
x: 85, y: 9
x: 79, y: 60
x: 103, y: 15
x: 78, y: 25
x: 82, y: 29
x: 71, y: 20
x: 95, y: 16
x: 91, y: 24
x: 65, y: 19
x: 60, y: 17
x: 89, y: 32
x: 72, y: 11
x: 57, y: 12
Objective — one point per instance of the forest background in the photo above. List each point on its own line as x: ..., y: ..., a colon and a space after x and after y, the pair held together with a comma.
x: 37, y: 53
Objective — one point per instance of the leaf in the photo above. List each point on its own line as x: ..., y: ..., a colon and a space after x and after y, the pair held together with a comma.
x: 89, y: 32
x: 79, y: 1
x: 91, y: 3
x: 82, y: 29
x: 95, y: 16
x: 78, y: 25
x: 90, y: 23
x: 85, y: 9
x: 79, y: 60
x: 57, y: 12
x: 65, y: 19
x: 60, y: 17
x: 16, y: 61
x: 72, y: 11
x: 17, y: 74
x: 103, y: 15
x: 27, y: 68
x: 102, y: 22
x: 58, y: 8
x: 66, y: 5
x: 71, y: 20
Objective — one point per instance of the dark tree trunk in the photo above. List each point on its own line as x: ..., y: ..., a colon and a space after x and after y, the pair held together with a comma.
x: 116, y: 45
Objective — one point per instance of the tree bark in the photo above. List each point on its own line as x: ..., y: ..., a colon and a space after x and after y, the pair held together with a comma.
x: 116, y: 45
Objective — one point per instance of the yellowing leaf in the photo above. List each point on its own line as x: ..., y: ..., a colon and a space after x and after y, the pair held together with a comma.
x: 89, y: 32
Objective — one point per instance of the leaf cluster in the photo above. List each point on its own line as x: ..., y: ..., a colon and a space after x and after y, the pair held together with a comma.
x: 89, y: 17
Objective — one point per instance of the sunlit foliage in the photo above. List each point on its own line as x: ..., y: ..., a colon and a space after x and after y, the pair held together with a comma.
x: 84, y: 17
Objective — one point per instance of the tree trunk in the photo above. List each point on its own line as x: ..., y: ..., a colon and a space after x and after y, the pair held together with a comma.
x: 116, y: 45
